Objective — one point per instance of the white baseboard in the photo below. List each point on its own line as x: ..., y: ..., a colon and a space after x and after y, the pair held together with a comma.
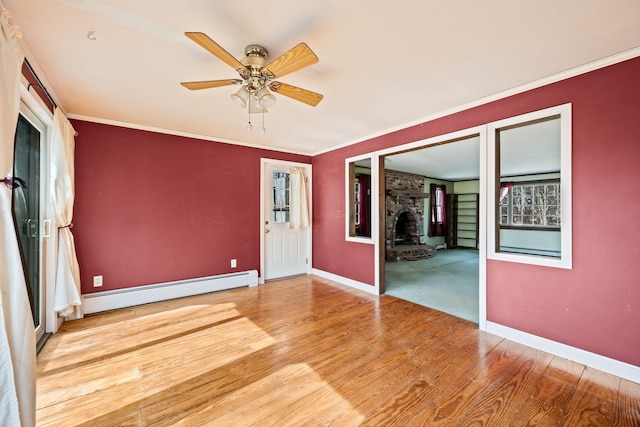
x: 128, y: 297
x: 345, y: 281
x: 602, y: 363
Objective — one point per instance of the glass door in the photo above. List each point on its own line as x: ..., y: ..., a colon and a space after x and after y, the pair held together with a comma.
x: 26, y: 211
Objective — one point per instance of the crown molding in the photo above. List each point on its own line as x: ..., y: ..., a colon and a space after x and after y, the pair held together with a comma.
x: 573, y: 72
x: 180, y: 133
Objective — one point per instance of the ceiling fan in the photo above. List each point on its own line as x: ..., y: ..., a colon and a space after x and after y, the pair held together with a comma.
x: 257, y: 74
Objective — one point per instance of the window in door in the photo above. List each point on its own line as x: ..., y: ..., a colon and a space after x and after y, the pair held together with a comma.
x: 26, y: 209
x: 281, y: 194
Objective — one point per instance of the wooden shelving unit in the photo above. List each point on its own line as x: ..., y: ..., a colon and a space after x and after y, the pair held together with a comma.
x: 462, y: 220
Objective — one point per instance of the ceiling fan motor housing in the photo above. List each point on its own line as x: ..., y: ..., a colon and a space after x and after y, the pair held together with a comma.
x: 255, y: 60
x: 256, y: 50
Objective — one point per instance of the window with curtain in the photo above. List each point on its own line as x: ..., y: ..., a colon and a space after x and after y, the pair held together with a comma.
x: 358, y: 201
x: 17, y: 331
x: 438, y: 223
x: 362, y: 204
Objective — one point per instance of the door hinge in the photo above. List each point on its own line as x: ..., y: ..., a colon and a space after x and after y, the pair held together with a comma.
x: 307, y: 261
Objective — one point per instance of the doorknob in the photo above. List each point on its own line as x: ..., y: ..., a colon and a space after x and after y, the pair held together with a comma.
x: 266, y: 230
x: 31, y: 227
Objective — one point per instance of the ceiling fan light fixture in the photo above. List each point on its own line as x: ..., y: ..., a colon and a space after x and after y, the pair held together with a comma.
x: 268, y: 101
x: 265, y: 98
x: 241, y: 97
x: 257, y: 74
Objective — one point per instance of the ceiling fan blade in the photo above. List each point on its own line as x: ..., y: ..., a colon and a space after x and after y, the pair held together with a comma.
x: 293, y: 92
x: 209, y: 84
x: 299, y: 57
x: 213, y: 47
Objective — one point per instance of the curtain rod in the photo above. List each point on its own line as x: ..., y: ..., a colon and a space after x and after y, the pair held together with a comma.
x: 39, y: 85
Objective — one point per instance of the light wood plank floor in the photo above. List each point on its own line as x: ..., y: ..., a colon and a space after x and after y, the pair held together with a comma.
x: 306, y: 351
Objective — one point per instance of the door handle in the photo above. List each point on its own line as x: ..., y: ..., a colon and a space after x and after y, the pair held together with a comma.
x: 32, y: 228
x: 266, y: 230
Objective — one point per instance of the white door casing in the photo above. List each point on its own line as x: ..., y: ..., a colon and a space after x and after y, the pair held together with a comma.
x: 284, y: 251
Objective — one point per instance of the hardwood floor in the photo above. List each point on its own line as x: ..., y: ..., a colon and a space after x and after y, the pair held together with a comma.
x: 306, y: 351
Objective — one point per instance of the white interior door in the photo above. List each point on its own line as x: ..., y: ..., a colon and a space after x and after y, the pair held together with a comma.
x: 286, y: 250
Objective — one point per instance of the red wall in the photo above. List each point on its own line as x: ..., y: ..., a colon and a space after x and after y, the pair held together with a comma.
x: 152, y: 208
x: 352, y: 260
x: 596, y: 305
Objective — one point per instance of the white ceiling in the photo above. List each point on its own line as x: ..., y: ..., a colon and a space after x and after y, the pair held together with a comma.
x: 383, y: 64
x: 455, y: 161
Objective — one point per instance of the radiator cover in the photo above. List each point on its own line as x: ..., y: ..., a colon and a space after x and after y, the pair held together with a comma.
x: 128, y: 297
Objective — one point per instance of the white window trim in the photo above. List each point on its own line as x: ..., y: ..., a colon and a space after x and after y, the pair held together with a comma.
x: 566, y: 258
x: 359, y: 239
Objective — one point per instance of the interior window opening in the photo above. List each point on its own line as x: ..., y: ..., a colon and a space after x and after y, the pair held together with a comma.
x: 358, y: 199
x: 530, y: 200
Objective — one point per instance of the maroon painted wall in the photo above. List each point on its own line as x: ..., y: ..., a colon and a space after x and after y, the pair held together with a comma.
x: 596, y: 305
x: 152, y: 208
x: 353, y: 260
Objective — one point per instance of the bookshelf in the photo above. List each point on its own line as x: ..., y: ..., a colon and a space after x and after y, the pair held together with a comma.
x: 462, y: 220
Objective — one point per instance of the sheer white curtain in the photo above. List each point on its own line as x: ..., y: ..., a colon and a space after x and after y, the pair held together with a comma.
x: 67, y: 290
x: 17, y: 332
x: 298, y: 205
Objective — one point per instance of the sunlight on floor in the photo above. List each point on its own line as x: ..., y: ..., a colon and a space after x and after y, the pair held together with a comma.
x: 282, y: 389
x: 137, y: 363
x: 87, y: 344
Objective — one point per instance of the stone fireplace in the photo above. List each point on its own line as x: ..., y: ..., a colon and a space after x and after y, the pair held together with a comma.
x: 405, y: 200
x: 406, y: 230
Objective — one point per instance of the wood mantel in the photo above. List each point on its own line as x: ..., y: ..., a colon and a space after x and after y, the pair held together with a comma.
x: 407, y: 193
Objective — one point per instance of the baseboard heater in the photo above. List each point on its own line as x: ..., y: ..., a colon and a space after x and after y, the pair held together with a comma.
x: 128, y: 297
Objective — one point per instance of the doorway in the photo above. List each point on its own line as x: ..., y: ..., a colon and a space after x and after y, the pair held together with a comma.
x: 285, y: 248
x: 27, y: 209
x: 441, y: 266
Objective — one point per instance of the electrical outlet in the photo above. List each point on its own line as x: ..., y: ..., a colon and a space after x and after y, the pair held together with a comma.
x: 97, y: 281
x: 234, y: 263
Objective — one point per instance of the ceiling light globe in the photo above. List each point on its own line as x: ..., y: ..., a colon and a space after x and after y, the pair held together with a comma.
x: 265, y: 98
x: 240, y: 97
x: 267, y: 101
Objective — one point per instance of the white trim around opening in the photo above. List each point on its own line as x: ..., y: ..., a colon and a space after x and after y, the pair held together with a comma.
x: 264, y: 162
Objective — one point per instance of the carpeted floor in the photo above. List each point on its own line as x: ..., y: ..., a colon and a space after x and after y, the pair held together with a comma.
x: 447, y: 282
